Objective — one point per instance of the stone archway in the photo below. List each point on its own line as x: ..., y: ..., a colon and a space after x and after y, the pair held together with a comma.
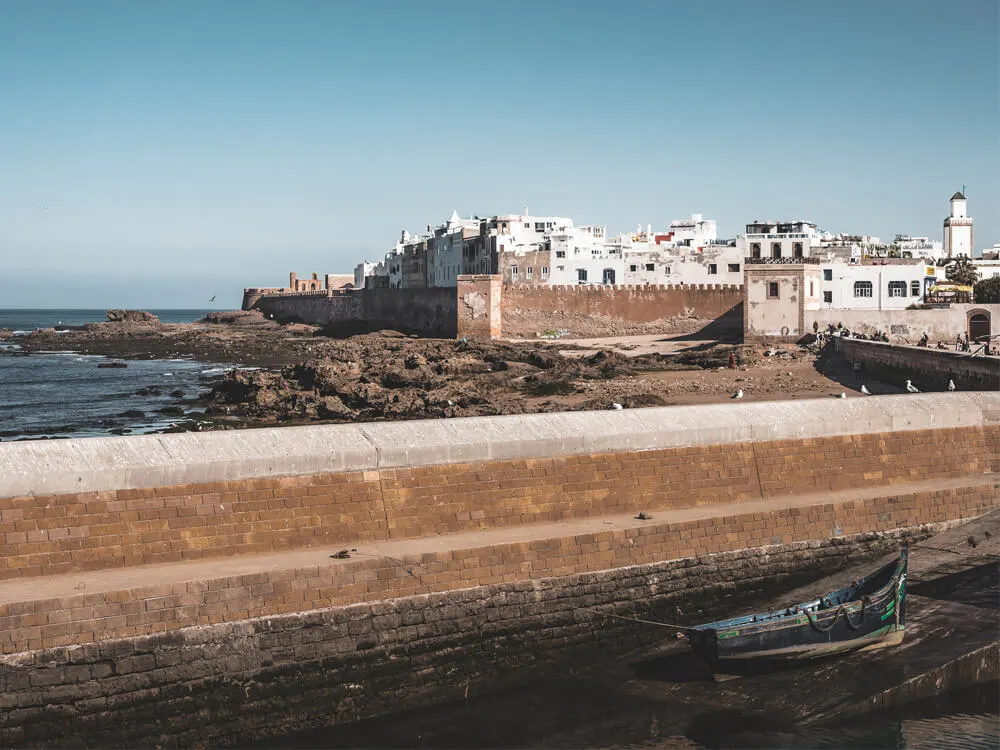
x: 979, y: 325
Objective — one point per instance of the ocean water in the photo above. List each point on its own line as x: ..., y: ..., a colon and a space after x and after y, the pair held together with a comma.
x: 25, y: 320
x: 65, y: 394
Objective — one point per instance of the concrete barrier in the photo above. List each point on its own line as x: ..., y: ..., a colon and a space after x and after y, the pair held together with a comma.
x: 118, y: 463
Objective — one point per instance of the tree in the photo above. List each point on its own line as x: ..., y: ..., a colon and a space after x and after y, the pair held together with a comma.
x: 987, y: 291
x: 962, y: 272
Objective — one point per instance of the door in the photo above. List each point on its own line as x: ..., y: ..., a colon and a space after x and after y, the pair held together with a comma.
x: 979, y: 326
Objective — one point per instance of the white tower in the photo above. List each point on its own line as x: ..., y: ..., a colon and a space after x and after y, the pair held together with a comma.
x: 958, y: 229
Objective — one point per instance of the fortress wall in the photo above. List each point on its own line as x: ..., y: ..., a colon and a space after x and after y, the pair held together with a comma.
x: 426, y: 312
x: 230, y: 683
x: 117, y: 502
x: 927, y: 367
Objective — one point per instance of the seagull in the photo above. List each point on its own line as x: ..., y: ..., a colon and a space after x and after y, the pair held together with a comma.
x: 842, y: 395
x: 951, y: 385
x: 865, y: 391
x: 213, y: 298
x: 450, y: 402
x: 617, y: 407
x: 738, y: 394
x: 910, y: 388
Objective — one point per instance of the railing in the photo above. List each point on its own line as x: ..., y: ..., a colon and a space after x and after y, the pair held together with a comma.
x: 780, y: 261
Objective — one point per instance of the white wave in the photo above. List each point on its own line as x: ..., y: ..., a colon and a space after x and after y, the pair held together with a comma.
x: 215, y: 371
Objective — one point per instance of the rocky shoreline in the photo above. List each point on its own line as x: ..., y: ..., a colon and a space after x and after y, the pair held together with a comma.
x: 305, y: 376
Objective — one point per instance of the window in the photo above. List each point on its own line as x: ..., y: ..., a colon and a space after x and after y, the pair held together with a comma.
x: 772, y: 290
x: 609, y: 276
x: 545, y: 272
x: 650, y: 267
x: 828, y: 297
x: 755, y: 250
x: 862, y: 289
x: 914, y: 288
x: 775, y: 249
x: 734, y: 268
x: 539, y: 226
x: 827, y: 274
x: 560, y: 253
x: 581, y: 274
x: 529, y: 272
x: 633, y: 268
x: 812, y: 289
x: 712, y: 269
x: 897, y: 288
x: 513, y: 272
x: 666, y: 270
x: 797, y: 249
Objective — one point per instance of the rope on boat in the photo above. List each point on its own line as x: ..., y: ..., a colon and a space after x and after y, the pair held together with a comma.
x: 409, y: 569
x: 841, y: 610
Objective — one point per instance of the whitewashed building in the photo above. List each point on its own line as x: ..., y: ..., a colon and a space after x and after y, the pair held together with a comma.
x: 780, y: 240
x: 874, y: 285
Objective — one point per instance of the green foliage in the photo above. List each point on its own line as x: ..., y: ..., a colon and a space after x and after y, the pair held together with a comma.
x: 963, y: 272
x: 987, y: 291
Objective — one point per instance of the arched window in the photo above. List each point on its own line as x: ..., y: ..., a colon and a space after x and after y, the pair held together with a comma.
x: 797, y: 249
x: 862, y: 289
x: 897, y: 288
x: 754, y: 249
x: 775, y: 249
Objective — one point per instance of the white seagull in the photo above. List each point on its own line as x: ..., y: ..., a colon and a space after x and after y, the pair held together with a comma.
x: 617, y: 407
x: 951, y: 385
x: 738, y: 394
x: 865, y: 391
x: 842, y: 395
x: 910, y: 387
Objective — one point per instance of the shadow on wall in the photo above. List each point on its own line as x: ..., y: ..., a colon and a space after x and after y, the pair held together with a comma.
x: 727, y: 328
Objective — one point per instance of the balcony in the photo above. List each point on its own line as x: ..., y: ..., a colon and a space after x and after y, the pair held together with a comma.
x: 780, y: 261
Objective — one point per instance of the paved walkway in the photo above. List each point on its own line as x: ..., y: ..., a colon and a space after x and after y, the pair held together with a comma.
x: 117, y: 579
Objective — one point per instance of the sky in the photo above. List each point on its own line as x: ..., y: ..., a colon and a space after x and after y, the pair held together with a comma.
x: 155, y: 154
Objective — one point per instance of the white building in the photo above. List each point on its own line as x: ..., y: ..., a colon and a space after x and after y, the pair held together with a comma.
x: 781, y: 241
x: 877, y: 285
x: 917, y: 247
x: 957, y: 229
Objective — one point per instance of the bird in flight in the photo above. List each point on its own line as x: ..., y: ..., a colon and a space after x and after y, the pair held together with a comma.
x: 213, y: 298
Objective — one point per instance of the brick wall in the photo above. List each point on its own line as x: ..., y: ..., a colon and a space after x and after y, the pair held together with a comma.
x: 142, y: 610
x: 635, y: 304
x: 479, y: 306
x: 928, y: 368
x: 231, y: 683
x: 51, y: 534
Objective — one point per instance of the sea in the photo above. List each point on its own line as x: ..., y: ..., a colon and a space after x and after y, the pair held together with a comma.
x: 63, y: 394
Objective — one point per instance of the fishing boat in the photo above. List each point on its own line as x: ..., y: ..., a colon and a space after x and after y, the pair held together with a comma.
x: 870, y: 613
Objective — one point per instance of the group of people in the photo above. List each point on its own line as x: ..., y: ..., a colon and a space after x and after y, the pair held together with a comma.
x: 867, y: 335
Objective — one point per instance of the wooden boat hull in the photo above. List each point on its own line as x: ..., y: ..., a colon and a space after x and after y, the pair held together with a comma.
x: 871, y: 613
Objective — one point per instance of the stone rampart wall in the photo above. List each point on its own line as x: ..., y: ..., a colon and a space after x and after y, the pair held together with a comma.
x: 907, y: 325
x: 634, y: 304
x: 427, y: 312
x: 136, y: 610
x: 227, y: 684
x: 54, y: 534
x: 926, y: 367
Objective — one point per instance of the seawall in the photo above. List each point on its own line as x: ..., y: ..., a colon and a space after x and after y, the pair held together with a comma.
x: 927, y: 368
x: 180, y: 588
x: 425, y: 312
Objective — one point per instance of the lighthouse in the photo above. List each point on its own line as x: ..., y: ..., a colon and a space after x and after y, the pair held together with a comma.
x: 957, y: 229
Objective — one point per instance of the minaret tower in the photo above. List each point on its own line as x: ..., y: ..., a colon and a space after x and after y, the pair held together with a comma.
x: 958, y: 229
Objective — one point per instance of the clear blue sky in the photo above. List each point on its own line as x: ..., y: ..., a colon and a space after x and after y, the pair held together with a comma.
x: 156, y: 153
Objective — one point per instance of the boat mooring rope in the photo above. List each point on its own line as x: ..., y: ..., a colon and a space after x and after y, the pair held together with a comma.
x: 408, y: 567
